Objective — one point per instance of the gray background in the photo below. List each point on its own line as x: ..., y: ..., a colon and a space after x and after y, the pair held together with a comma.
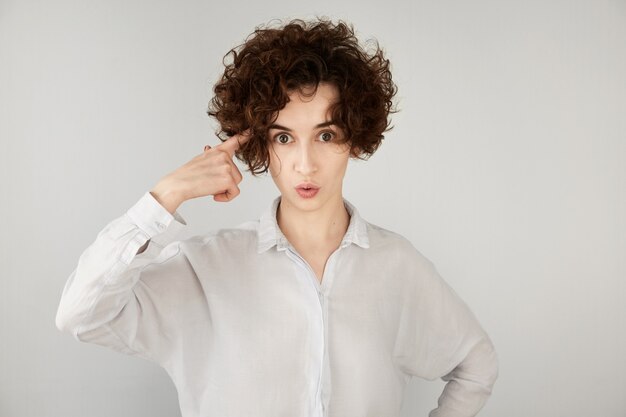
x: 506, y: 168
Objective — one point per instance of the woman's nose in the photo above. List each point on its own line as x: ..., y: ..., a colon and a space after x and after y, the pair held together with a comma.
x: 305, y: 162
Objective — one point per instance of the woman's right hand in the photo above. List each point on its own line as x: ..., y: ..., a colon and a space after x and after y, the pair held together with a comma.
x: 213, y: 172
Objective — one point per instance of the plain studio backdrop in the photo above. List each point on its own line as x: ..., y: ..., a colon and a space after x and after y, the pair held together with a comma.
x: 506, y: 167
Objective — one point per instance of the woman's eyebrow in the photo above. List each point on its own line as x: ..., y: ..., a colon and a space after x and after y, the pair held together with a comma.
x: 328, y: 123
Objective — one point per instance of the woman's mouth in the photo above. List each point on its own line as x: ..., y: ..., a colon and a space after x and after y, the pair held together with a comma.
x: 307, y: 192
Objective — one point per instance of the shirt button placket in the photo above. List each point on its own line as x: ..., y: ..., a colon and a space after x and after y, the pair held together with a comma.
x: 319, y: 407
x: 323, y: 355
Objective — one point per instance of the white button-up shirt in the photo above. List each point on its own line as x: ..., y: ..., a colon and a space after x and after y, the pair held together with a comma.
x: 243, y: 327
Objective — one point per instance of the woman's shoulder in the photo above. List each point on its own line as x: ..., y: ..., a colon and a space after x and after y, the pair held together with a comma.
x: 390, y: 241
x: 235, y: 237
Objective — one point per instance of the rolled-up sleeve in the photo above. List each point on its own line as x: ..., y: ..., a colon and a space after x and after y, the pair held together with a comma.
x: 440, y: 337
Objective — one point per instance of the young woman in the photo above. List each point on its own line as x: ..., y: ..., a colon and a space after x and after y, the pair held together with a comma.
x: 309, y: 310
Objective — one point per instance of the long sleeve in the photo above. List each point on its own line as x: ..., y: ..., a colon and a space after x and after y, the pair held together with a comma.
x: 440, y: 337
x: 470, y: 383
x: 115, y: 297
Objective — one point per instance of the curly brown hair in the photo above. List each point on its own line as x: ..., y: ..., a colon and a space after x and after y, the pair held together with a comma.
x: 273, y: 62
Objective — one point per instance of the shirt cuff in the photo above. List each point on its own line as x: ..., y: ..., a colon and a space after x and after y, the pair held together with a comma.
x: 153, y: 219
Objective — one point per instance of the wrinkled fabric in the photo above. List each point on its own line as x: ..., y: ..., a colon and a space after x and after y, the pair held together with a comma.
x: 243, y: 327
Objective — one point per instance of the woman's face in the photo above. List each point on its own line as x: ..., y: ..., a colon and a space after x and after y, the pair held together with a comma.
x: 303, y: 148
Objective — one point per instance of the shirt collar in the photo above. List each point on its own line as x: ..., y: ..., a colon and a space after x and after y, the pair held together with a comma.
x: 269, y: 234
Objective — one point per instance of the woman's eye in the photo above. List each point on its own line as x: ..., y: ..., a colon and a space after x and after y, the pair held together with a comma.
x: 326, y: 136
x: 282, y: 138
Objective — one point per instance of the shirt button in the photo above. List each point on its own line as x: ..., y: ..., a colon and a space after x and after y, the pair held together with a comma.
x: 160, y: 225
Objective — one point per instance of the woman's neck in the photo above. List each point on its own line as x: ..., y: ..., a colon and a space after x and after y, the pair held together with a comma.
x: 319, y: 228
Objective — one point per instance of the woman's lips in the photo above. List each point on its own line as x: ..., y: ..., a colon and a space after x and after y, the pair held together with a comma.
x: 307, y: 185
x: 304, y: 193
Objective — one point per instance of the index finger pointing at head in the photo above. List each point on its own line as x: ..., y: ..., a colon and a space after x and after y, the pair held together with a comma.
x: 234, y: 142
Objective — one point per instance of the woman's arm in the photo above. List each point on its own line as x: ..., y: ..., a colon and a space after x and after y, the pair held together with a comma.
x: 112, y: 298
x: 469, y: 383
x: 440, y: 337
